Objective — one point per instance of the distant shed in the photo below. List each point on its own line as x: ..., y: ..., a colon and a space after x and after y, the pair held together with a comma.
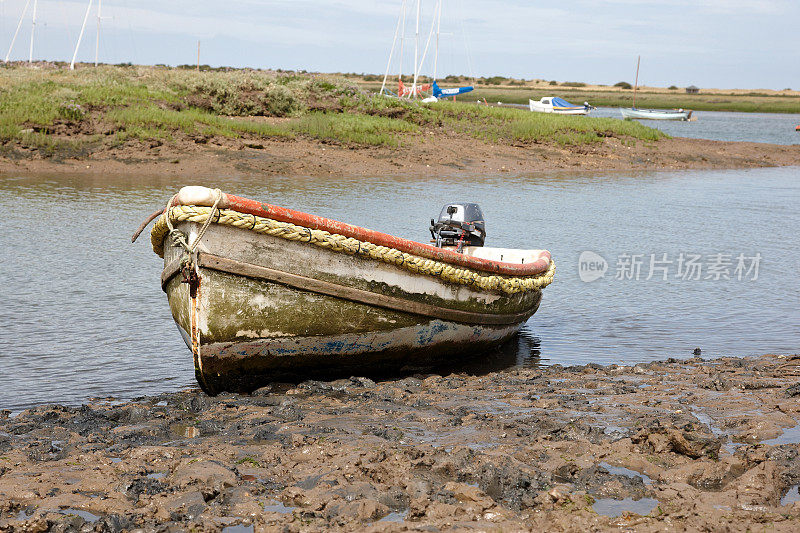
x: 691, y: 89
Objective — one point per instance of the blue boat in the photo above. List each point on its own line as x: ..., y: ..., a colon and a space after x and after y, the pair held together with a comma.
x: 559, y: 106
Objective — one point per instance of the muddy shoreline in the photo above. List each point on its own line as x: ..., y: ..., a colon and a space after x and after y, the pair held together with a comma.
x: 428, y: 152
x: 671, y: 445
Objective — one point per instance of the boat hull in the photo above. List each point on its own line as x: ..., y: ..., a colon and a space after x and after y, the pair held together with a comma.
x: 654, y: 114
x: 539, y: 107
x: 264, y: 309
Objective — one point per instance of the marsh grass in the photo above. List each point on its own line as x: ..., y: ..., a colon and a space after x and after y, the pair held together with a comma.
x: 143, y: 133
x: 149, y: 122
x: 66, y: 109
x: 351, y: 128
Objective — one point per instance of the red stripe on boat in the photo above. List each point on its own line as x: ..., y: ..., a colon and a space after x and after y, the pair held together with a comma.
x: 282, y: 214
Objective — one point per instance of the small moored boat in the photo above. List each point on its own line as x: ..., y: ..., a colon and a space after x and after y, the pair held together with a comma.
x: 559, y: 106
x: 651, y: 114
x: 655, y: 114
x: 260, y: 292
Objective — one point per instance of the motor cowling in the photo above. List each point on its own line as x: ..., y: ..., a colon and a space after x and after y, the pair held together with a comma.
x: 459, y: 225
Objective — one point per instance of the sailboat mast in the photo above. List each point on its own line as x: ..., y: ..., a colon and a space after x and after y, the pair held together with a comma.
x: 97, y: 38
x: 33, y: 29
x: 438, y: 27
x: 391, y: 52
x: 80, y: 35
x: 636, y: 84
x: 19, y: 25
x: 416, y: 51
x: 402, y: 43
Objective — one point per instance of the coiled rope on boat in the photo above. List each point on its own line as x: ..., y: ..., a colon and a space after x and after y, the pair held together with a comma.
x: 179, y: 238
x: 348, y: 245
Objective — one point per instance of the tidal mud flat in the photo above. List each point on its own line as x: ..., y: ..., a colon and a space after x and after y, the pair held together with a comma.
x: 674, y: 445
x: 460, y: 156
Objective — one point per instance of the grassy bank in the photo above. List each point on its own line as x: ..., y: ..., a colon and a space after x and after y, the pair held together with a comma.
x: 70, y: 113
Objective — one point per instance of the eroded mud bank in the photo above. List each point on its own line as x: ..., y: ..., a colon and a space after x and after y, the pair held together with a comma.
x: 698, y: 445
x: 416, y: 156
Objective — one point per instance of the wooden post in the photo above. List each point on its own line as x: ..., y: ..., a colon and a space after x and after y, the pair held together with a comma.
x: 198, y: 56
x: 636, y: 84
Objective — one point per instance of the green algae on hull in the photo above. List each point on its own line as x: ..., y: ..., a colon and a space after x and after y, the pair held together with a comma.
x: 248, y: 330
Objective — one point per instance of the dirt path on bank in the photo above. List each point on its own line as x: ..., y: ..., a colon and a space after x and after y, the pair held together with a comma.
x: 668, y: 446
x: 442, y: 155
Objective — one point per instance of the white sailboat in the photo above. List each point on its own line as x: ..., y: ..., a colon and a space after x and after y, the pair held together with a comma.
x: 655, y: 114
x: 427, y: 92
x: 34, y: 23
x: 652, y: 114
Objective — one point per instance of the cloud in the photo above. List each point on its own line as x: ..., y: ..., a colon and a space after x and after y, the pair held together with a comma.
x: 747, y: 8
x: 579, y: 40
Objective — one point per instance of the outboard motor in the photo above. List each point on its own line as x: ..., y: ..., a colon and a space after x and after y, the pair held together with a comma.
x: 459, y: 225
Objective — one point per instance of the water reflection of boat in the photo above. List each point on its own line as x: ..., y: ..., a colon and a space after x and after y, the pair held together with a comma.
x: 521, y: 350
x: 529, y: 349
x: 260, y: 292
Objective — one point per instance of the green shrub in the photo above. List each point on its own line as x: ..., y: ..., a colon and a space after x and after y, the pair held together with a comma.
x: 623, y: 85
x: 494, y: 80
x: 278, y: 101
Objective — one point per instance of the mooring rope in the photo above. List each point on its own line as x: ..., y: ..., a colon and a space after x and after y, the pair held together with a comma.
x: 335, y: 242
x: 179, y: 237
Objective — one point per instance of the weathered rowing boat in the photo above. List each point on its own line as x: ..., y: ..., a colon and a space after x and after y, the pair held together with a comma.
x: 260, y: 292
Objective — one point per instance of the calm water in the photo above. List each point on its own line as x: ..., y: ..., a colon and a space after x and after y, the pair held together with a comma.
x: 774, y: 128
x: 83, y: 314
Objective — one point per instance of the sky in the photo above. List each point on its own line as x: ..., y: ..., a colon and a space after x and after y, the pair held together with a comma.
x: 731, y: 44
